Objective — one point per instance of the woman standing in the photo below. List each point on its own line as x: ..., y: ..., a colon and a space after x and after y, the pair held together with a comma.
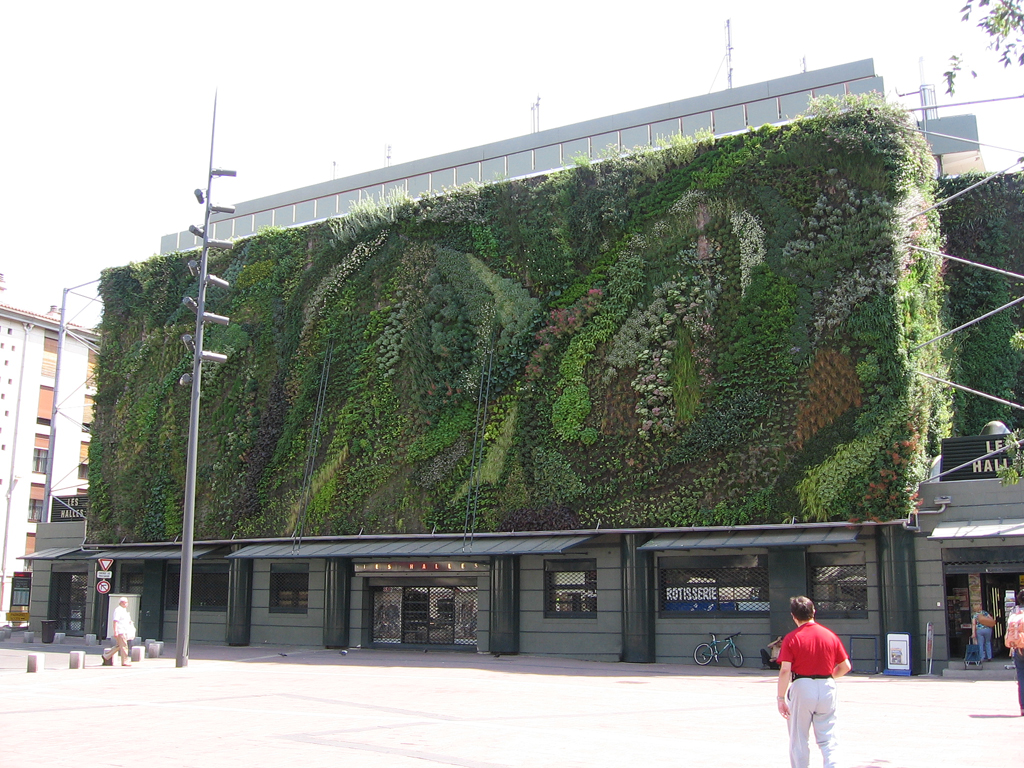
x: 981, y: 633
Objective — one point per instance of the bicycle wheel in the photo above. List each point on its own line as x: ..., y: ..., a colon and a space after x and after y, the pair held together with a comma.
x: 735, y: 656
x: 703, y: 654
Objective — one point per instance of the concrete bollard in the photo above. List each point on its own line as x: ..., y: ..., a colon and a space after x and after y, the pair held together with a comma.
x: 5, y: 633
x: 152, y: 652
x: 150, y: 640
x: 29, y: 637
x: 36, y: 662
x: 76, y: 660
x: 90, y: 640
x: 137, y: 653
x: 58, y: 637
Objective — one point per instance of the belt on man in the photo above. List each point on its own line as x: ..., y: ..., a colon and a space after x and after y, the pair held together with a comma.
x: 812, y: 677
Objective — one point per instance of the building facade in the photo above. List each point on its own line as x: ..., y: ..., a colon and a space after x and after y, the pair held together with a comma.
x: 721, y: 113
x: 31, y: 444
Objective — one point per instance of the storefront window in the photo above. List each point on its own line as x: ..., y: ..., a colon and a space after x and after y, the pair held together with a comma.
x: 289, y: 588
x: 714, y: 589
x: 570, y: 588
x: 209, y: 587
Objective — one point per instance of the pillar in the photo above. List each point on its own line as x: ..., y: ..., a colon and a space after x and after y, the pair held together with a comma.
x: 897, y: 587
x: 504, y: 612
x: 337, y: 587
x: 638, y: 600
x: 239, y: 601
x: 787, y: 577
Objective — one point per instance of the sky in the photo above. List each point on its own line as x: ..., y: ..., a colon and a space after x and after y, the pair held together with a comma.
x: 108, y: 106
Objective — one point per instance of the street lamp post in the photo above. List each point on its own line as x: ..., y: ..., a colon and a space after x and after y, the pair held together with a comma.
x: 195, y: 345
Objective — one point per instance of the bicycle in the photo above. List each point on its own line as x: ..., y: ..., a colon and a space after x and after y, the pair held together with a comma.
x: 705, y: 653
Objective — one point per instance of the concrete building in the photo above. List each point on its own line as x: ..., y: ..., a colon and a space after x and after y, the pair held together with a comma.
x: 30, y: 441
x: 721, y: 113
x: 635, y: 595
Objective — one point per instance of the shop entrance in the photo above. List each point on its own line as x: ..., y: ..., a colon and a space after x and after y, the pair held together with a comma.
x: 966, y: 593
x: 424, y: 615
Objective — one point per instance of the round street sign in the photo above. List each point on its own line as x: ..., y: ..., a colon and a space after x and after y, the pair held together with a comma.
x: 103, y: 587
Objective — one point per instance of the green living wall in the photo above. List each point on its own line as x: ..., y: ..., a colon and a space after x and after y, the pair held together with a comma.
x: 986, y: 226
x: 715, y: 332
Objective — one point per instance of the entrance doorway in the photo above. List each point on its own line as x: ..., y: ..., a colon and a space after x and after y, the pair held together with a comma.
x: 425, y: 615
x: 68, y: 593
x: 964, y: 592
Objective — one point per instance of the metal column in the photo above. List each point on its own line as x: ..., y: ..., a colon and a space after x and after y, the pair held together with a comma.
x: 638, y: 604
x: 337, y: 585
x: 504, y: 612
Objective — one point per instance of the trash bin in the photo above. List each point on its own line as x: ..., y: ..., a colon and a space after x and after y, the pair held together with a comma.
x: 49, y: 630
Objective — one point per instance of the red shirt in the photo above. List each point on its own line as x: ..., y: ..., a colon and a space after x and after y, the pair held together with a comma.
x: 812, y: 650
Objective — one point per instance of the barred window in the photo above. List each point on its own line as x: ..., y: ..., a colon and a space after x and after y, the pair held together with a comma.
x: 209, y: 587
x: 289, y: 587
x: 570, y: 588
x: 714, y: 589
x: 131, y: 580
x: 839, y: 590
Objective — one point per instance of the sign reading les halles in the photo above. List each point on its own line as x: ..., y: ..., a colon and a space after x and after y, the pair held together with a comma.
x: 67, y: 508
x: 419, y: 566
x: 969, y: 450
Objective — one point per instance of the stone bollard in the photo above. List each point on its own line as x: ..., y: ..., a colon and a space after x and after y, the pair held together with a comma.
x: 149, y: 640
x: 76, y: 660
x: 5, y: 633
x: 137, y: 653
x: 36, y: 662
x: 91, y: 640
x: 152, y: 652
x: 58, y: 637
x: 29, y: 637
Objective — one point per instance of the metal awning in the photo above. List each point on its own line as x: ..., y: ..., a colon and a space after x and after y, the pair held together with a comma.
x: 978, y: 529
x: 61, y: 553
x: 447, y: 547
x: 799, y: 537
x: 124, y: 553
x: 152, y: 553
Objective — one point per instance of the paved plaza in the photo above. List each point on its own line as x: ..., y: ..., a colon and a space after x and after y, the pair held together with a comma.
x: 311, y: 707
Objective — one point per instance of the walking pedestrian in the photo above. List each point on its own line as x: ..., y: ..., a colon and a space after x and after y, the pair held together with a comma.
x: 812, y: 658
x: 1015, y: 642
x: 124, y: 630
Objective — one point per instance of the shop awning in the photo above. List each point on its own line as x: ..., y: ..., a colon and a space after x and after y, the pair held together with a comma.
x: 124, y: 553
x: 799, y: 537
x: 978, y: 529
x: 448, y: 547
x: 61, y: 553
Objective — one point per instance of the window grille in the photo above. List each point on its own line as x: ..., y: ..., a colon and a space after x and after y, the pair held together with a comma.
x: 289, y: 588
x: 131, y: 582
x: 427, y: 615
x: 209, y: 587
x: 714, y: 589
x: 68, y: 596
x: 839, y: 589
x: 570, y: 588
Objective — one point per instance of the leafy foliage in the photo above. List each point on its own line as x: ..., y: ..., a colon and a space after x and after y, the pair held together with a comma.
x: 708, y: 333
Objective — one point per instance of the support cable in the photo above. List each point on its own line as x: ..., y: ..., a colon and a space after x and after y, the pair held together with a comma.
x: 312, y: 448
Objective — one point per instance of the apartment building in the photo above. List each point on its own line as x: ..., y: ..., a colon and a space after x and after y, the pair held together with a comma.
x: 43, y: 420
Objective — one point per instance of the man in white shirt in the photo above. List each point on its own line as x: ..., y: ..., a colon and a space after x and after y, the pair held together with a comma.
x: 122, y: 628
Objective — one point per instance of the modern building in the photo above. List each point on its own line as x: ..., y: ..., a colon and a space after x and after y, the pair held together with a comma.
x: 637, y: 595
x: 721, y: 113
x: 41, y: 437
x: 626, y: 595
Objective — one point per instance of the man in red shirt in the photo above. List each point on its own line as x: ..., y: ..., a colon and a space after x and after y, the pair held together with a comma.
x: 812, y: 657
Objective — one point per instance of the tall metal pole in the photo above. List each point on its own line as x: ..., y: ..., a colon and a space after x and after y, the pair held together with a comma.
x: 185, y: 583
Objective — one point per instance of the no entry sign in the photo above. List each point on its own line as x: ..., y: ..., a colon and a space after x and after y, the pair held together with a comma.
x: 103, y: 587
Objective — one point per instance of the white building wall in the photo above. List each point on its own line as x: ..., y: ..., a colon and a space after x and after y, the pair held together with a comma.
x: 22, y: 340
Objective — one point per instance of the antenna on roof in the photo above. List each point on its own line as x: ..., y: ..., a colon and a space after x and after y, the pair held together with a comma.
x: 535, y: 109
x: 728, y: 49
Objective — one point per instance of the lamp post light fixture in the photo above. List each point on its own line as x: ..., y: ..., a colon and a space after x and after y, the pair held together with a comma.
x: 194, y: 343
